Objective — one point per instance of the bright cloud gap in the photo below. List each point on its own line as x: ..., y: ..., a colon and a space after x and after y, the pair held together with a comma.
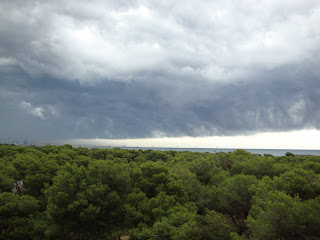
x: 268, y: 140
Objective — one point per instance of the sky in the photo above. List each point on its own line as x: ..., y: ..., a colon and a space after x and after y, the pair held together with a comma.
x: 238, y: 73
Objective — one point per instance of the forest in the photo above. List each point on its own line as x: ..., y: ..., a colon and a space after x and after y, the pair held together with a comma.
x: 65, y: 192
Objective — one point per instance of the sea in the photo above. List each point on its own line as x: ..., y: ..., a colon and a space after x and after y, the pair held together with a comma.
x: 274, y: 152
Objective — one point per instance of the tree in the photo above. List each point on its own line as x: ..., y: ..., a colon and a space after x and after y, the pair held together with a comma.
x: 257, y: 166
x: 234, y: 196
x: 215, y: 226
x: 277, y: 216
x: 174, y: 222
x: 81, y: 205
x: 305, y: 183
x: 189, y: 180
x: 17, y: 216
x: 289, y: 154
x: 155, y: 178
x: 6, y: 182
x: 180, y: 224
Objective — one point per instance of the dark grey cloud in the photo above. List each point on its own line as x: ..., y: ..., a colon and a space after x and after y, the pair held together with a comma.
x: 50, y: 108
x: 134, y: 69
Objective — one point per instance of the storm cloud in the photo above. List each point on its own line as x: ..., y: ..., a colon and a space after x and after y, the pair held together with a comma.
x: 135, y: 69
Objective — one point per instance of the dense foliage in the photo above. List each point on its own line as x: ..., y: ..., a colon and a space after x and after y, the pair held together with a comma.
x: 80, y: 193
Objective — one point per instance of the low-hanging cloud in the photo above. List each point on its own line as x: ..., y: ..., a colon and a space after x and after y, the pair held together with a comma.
x: 43, y: 112
x: 35, y: 111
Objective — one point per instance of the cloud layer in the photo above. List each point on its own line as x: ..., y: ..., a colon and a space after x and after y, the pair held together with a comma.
x: 129, y: 69
x: 125, y: 40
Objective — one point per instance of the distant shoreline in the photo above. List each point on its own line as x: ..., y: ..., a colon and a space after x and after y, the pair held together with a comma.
x: 273, y: 152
